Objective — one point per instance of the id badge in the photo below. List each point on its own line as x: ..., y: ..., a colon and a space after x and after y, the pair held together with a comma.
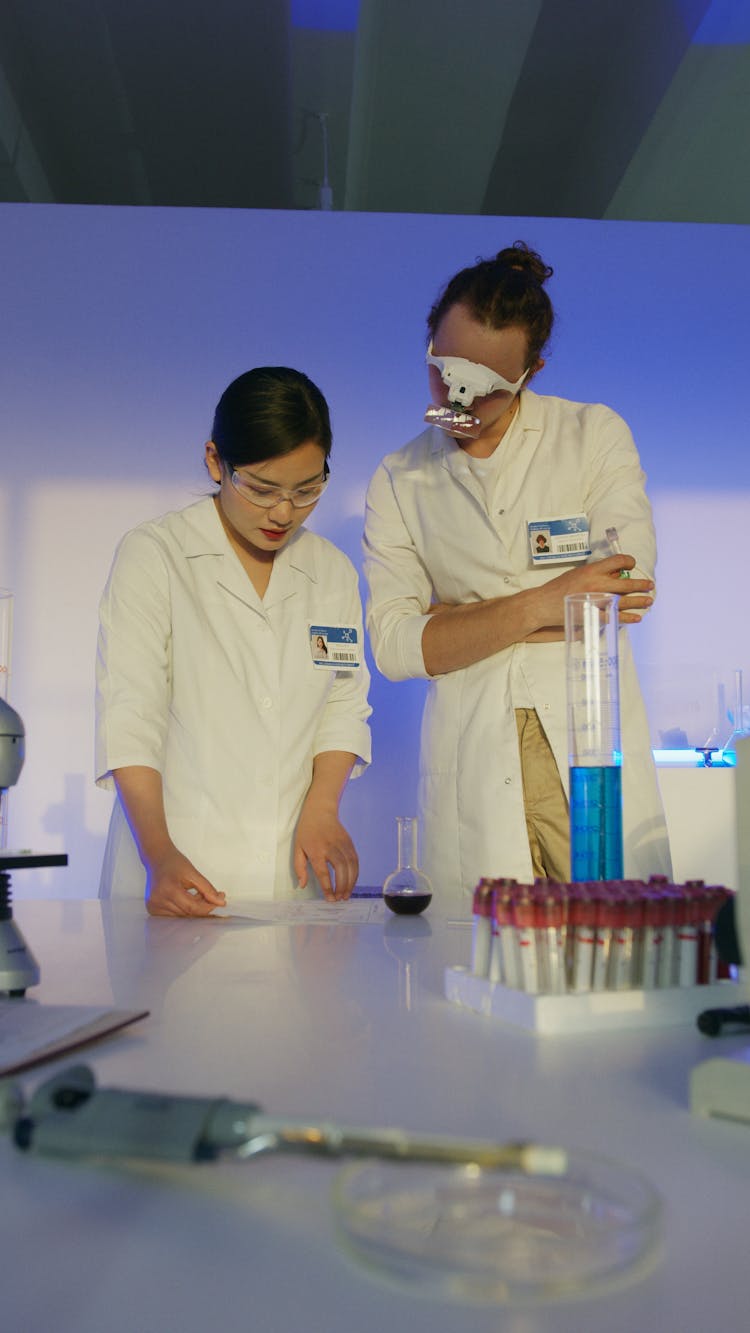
x: 559, y: 541
x: 335, y: 646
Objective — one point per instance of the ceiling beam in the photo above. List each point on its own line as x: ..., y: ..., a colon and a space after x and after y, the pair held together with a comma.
x: 432, y: 86
x: 594, y: 75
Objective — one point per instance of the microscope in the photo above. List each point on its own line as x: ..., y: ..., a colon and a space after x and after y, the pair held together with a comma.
x: 18, y: 967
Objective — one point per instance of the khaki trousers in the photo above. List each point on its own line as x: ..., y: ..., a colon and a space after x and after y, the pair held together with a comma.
x: 545, y: 803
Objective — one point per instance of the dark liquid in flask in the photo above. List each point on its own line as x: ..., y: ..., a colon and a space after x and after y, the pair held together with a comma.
x: 407, y: 904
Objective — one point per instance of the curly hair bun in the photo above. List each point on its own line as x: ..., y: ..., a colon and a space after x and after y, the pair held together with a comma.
x: 523, y: 259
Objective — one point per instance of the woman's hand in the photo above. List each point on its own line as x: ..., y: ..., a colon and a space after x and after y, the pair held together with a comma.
x: 175, y: 888
x: 173, y: 885
x: 322, y: 840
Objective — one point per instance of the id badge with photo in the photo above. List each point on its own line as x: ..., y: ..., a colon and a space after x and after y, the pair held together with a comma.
x: 335, y: 646
x: 560, y: 540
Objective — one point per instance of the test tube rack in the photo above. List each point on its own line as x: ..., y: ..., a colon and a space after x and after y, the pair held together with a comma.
x: 559, y: 958
x: 593, y: 1011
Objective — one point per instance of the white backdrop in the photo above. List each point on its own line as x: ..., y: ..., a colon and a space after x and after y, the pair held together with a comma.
x: 121, y: 327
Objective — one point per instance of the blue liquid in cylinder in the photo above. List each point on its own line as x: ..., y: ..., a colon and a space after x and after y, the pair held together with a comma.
x: 596, y: 823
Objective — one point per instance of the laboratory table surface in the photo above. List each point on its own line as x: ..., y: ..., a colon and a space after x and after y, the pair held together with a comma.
x: 345, y: 1021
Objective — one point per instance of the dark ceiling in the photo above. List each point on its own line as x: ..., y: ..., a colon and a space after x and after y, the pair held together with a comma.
x: 580, y: 108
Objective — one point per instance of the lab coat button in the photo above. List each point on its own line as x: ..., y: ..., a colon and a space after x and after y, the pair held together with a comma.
x: 266, y: 702
x: 508, y: 781
x: 506, y: 579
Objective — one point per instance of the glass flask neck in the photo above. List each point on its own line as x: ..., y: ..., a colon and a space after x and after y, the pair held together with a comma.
x: 407, y: 842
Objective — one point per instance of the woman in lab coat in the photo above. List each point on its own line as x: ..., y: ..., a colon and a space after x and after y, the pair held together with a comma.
x: 461, y: 592
x: 226, y: 738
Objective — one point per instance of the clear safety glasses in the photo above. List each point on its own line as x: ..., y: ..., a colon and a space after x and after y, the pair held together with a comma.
x: 258, y: 492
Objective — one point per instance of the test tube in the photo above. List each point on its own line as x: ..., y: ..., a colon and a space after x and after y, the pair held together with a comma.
x: 614, y: 545
x: 481, y: 942
x: 595, y: 755
x: 621, y: 948
x: 550, y: 934
x: 668, y: 956
x: 495, y: 970
x: 687, y: 937
x: 654, y: 920
x: 524, y: 922
x: 604, y: 920
x: 580, y: 938
x: 504, y: 894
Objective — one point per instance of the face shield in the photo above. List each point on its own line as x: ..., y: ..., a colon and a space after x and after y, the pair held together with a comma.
x: 465, y: 381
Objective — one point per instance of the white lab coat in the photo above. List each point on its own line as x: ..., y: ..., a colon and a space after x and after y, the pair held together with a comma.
x: 201, y: 679
x: 429, y: 537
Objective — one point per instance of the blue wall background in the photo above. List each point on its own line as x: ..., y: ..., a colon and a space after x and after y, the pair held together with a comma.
x: 121, y: 327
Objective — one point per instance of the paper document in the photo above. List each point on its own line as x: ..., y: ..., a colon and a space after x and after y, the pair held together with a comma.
x: 307, y: 911
x: 31, y: 1033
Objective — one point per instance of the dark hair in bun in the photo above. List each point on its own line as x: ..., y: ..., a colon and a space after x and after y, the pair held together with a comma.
x: 504, y: 292
x: 268, y: 412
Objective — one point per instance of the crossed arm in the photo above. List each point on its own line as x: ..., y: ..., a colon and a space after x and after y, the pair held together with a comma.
x: 457, y: 636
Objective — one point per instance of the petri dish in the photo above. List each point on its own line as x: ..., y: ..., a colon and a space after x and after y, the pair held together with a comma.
x: 469, y: 1233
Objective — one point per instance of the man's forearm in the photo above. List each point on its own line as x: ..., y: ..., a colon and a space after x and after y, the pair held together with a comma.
x: 458, y: 636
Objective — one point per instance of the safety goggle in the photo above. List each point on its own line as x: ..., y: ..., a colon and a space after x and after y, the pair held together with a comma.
x: 467, y: 380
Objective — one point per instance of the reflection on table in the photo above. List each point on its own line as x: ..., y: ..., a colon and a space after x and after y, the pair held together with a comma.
x: 346, y: 1022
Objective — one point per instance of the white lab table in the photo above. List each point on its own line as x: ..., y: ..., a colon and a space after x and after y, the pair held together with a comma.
x: 347, y: 1022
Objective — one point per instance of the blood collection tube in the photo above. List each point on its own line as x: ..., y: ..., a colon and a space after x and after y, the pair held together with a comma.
x: 636, y: 912
x: 581, y: 914
x: 550, y: 925
x: 604, y: 921
x: 702, y: 903
x: 625, y: 911
x: 668, y: 957
x: 525, y: 939
x: 654, y: 917
x: 708, y: 960
x: 495, y: 969
x: 503, y: 958
x: 686, y: 938
x: 481, y: 940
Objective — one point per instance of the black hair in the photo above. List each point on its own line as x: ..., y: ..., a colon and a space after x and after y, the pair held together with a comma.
x: 504, y: 292
x: 269, y: 412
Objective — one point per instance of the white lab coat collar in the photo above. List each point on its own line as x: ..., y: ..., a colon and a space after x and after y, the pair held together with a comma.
x: 453, y: 457
x: 205, y: 536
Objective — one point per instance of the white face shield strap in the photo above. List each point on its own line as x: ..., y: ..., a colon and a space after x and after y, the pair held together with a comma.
x: 465, y: 381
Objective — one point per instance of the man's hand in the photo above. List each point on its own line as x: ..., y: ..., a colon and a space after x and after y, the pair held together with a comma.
x: 635, y: 596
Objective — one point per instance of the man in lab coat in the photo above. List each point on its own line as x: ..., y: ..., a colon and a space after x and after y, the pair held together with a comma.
x: 461, y: 593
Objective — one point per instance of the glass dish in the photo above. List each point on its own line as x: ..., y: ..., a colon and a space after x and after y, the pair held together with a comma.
x: 474, y: 1234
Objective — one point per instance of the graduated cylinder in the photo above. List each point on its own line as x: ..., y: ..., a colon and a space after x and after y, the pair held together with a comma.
x: 594, y: 751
